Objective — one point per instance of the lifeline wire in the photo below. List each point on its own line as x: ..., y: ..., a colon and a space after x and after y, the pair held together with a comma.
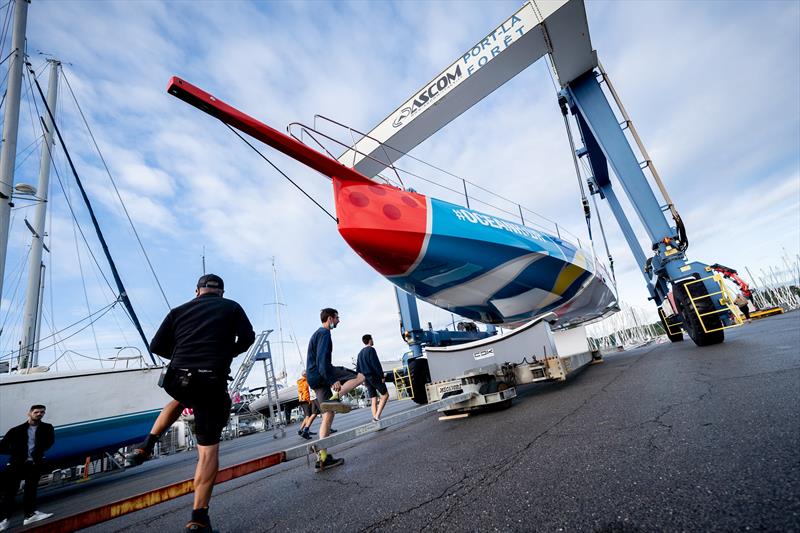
x: 282, y: 173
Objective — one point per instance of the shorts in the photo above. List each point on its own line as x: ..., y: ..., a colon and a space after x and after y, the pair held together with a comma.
x: 340, y: 374
x: 310, y: 408
x: 205, y: 392
x: 375, y: 386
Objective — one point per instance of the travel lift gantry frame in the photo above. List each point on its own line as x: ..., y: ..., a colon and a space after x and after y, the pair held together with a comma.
x: 699, y: 302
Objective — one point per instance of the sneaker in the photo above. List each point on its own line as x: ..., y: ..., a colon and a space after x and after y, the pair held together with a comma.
x: 332, y: 431
x: 310, y: 432
x: 335, y: 406
x: 305, y: 436
x: 198, y: 527
x: 300, y: 432
x: 4, y: 524
x: 35, y: 517
x: 138, y: 456
x: 330, y: 462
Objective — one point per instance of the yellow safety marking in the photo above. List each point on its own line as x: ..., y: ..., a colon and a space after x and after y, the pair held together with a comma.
x: 685, y: 268
x: 767, y: 312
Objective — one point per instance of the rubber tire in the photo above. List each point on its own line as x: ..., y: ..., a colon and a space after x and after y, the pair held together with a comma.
x: 677, y: 337
x: 420, y: 376
x: 691, y: 322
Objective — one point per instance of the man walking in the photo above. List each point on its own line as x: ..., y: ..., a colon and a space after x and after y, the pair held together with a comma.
x: 26, y: 444
x: 309, y: 406
x: 323, y: 376
x: 369, y: 365
x: 201, y: 337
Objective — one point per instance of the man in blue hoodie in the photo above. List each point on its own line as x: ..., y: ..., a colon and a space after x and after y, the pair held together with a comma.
x: 369, y: 365
x: 329, y: 382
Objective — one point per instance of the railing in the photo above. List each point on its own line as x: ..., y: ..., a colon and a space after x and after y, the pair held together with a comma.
x: 465, y: 187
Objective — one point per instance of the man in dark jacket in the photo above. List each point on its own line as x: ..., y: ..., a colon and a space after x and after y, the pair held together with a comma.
x: 201, y: 337
x: 26, y: 444
x: 369, y: 365
x: 323, y: 376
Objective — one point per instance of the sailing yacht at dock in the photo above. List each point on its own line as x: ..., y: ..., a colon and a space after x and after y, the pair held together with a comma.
x: 93, y: 410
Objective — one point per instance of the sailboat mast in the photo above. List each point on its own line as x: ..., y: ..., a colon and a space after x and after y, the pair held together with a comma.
x: 30, y: 317
x: 278, y: 314
x: 8, y: 156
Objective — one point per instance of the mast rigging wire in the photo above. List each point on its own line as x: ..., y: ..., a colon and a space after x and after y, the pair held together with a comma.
x: 102, y: 310
x: 118, y: 281
x: 116, y: 190
x: 66, y: 196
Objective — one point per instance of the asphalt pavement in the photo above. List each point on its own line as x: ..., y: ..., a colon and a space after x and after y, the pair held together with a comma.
x: 667, y: 437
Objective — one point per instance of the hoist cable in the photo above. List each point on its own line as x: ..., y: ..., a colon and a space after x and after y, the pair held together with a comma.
x: 587, y: 212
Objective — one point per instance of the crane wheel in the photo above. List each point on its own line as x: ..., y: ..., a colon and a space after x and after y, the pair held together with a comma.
x: 674, y: 337
x: 691, y: 321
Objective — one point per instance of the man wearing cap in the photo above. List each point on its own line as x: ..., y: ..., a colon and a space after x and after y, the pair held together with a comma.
x: 200, y: 337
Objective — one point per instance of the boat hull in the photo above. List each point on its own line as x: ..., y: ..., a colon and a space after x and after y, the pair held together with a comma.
x: 476, y: 265
x: 92, y: 411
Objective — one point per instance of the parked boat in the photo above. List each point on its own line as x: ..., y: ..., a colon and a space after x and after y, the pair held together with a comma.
x: 95, y: 410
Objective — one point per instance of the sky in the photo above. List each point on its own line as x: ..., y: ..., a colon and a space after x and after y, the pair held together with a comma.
x: 711, y: 86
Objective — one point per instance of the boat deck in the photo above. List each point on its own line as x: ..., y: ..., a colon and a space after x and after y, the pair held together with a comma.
x: 664, y: 437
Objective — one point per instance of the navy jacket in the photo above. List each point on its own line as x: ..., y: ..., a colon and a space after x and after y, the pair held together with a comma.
x: 368, y: 363
x: 319, y: 370
x: 205, y: 333
x: 15, y: 443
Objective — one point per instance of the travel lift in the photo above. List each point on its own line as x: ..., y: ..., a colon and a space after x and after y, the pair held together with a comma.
x: 690, y: 296
x: 485, y: 370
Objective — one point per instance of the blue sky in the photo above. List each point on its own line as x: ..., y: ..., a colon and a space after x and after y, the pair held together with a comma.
x: 711, y: 86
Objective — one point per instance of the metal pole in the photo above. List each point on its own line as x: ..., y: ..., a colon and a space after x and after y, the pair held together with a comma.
x: 35, y: 360
x: 30, y: 316
x: 8, y: 155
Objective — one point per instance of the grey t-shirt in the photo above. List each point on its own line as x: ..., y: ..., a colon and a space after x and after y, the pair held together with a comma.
x: 31, y: 440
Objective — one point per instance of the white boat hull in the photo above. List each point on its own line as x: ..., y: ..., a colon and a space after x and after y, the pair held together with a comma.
x: 92, y: 411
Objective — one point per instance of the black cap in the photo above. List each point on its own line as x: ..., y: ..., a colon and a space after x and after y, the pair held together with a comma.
x: 211, y: 281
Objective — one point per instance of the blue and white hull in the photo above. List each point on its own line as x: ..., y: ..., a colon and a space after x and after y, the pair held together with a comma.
x: 92, y: 411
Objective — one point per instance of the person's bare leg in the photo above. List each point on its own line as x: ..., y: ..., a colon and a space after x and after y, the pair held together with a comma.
x: 325, y: 427
x: 311, y: 419
x: 351, y: 384
x: 374, y: 407
x: 205, y: 473
x: 169, y: 414
x: 381, y: 405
